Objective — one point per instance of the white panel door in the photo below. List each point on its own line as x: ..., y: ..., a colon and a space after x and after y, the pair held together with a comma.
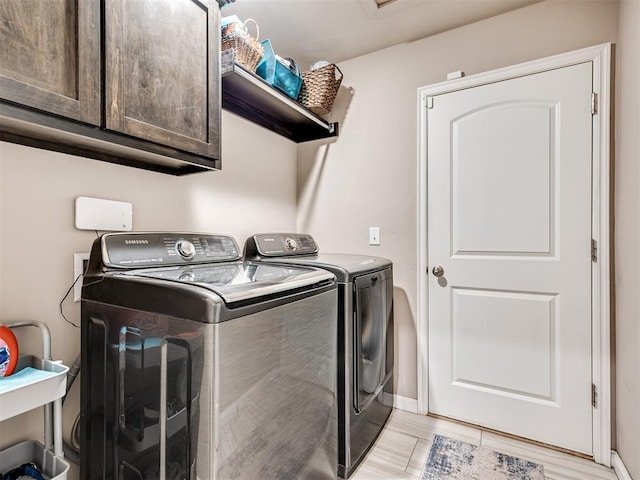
x: 509, y: 222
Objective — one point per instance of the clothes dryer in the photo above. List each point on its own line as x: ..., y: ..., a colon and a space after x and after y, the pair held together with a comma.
x: 196, y: 365
x: 364, y: 324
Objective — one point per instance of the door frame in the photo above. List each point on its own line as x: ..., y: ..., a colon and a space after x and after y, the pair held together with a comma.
x: 601, y: 56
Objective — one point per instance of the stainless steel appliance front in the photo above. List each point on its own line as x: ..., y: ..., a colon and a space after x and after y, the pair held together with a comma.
x: 205, y: 369
x: 271, y: 379
x: 365, y: 335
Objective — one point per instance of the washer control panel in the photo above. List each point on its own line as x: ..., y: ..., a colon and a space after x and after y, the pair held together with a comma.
x: 138, y: 250
x: 284, y: 244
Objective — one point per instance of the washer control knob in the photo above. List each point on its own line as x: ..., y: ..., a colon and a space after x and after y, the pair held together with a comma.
x: 290, y: 244
x: 185, y: 248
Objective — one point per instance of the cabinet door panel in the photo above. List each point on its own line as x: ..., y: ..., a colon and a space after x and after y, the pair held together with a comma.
x: 162, y: 59
x: 50, y: 55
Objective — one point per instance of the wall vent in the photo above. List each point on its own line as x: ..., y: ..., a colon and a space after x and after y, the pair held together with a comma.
x: 385, y: 8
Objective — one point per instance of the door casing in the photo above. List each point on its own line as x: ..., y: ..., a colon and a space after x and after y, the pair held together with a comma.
x: 600, y: 56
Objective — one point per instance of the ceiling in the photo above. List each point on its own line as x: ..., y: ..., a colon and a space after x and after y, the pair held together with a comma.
x: 336, y: 30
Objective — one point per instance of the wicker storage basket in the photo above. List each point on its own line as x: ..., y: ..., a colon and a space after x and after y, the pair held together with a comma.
x: 248, y: 51
x: 319, y: 88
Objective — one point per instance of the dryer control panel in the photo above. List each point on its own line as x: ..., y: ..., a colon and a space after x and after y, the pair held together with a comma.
x: 280, y: 245
x: 139, y: 250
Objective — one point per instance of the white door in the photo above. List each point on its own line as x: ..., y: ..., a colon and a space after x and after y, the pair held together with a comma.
x: 509, y: 222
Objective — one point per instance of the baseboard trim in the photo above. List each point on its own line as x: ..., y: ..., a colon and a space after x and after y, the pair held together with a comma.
x: 618, y: 467
x: 405, y: 403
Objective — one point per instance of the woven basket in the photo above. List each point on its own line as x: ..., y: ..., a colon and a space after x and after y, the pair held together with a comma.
x: 248, y: 51
x: 319, y: 88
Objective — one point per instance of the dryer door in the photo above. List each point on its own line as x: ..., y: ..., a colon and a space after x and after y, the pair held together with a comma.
x: 372, y: 300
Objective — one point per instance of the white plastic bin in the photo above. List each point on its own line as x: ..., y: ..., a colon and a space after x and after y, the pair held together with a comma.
x: 52, y: 467
x: 17, y: 398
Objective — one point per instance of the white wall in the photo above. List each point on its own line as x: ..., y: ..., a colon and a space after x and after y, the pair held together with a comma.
x: 627, y: 238
x: 368, y: 177
x: 255, y: 191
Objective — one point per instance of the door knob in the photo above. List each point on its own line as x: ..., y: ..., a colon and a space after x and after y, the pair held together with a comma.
x: 438, y: 271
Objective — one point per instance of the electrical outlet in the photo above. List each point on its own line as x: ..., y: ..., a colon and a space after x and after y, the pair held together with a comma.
x: 80, y: 262
x: 374, y: 235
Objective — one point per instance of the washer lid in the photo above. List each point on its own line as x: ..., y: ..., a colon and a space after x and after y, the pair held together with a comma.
x: 239, y: 282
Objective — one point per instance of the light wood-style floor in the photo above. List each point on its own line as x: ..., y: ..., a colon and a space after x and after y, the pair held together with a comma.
x: 402, y: 449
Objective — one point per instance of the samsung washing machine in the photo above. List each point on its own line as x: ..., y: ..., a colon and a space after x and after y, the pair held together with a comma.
x: 196, y: 365
x: 365, y: 335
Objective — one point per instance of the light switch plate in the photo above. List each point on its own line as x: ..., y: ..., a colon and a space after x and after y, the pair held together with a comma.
x: 105, y: 215
x: 374, y: 235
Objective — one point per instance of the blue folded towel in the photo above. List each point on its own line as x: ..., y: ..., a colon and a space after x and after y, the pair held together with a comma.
x: 23, y: 378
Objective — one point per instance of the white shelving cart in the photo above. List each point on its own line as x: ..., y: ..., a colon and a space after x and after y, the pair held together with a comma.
x: 36, y: 382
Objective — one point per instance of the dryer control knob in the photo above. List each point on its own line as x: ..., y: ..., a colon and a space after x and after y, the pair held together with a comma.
x: 290, y: 244
x: 186, y: 249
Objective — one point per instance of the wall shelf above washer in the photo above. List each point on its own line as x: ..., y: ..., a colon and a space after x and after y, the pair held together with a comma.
x: 249, y: 96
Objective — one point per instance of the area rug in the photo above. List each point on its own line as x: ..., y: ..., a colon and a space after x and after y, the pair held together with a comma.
x: 454, y: 460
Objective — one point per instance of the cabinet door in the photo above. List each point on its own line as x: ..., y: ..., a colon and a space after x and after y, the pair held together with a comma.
x: 50, y: 56
x: 162, y: 68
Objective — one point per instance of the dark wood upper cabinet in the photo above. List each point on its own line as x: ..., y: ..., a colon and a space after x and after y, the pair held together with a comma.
x: 50, y: 56
x: 134, y: 82
x: 162, y: 72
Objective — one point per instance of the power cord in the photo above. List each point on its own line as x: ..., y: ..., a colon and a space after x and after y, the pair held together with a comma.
x: 69, y: 291
x: 65, y: 297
